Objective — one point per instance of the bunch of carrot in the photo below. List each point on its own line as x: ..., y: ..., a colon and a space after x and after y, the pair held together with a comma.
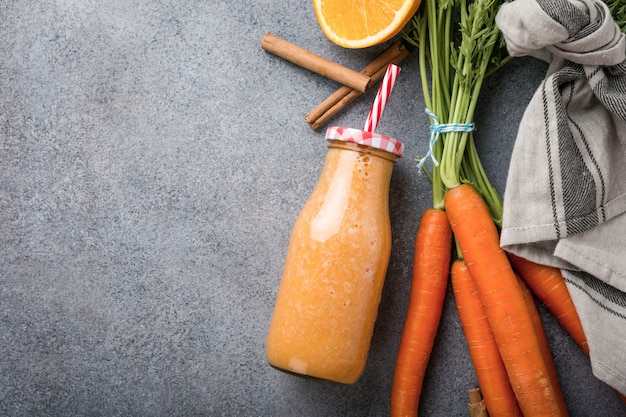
x: 505, y: 336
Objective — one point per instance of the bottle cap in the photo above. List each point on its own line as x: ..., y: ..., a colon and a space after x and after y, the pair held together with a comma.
x: 363, y: 137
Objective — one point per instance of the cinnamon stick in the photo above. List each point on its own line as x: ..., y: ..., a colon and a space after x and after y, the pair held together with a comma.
x: 337, y: 101
x: 320, y: 65
x: 477, y: 407
x: 341, y: 104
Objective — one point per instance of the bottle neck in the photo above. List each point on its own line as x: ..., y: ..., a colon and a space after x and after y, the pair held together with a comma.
x: 364, y: 171
x: 369, y: 150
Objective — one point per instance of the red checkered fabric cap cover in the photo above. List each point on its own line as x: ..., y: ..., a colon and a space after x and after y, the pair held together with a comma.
x: 363, y: 137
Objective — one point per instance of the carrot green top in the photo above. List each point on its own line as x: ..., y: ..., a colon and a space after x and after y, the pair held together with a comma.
x: 460, y: 58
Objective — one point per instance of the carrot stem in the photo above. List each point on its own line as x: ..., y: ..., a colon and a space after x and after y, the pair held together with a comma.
x: 476, y: 175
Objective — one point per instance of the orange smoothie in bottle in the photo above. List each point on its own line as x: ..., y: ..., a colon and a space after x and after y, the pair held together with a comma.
x: 336, y: 262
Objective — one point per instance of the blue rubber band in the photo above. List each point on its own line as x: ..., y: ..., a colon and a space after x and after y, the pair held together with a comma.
x: 436, y: 129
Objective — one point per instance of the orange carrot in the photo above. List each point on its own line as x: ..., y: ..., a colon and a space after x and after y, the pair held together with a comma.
x: 490, y: 371
x: 548, y: 285
x: 431, y: 266
x: 541, y: 333
x: 476, y: 234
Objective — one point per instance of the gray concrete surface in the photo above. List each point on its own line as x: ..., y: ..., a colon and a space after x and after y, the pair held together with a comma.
x: 152, y: 162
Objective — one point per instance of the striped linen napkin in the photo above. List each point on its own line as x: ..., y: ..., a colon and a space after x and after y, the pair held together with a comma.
x: 565, y: 198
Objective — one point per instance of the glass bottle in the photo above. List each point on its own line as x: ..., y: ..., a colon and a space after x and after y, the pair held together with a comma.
x: 336, y: 262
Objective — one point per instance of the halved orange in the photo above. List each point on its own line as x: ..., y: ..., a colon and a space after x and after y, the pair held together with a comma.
x: 363, y: 23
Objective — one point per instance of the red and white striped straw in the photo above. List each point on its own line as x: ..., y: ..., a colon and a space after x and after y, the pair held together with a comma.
x: 381, y: 97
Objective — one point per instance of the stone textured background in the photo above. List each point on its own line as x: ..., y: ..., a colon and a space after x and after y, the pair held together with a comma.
x: 152, y: 162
